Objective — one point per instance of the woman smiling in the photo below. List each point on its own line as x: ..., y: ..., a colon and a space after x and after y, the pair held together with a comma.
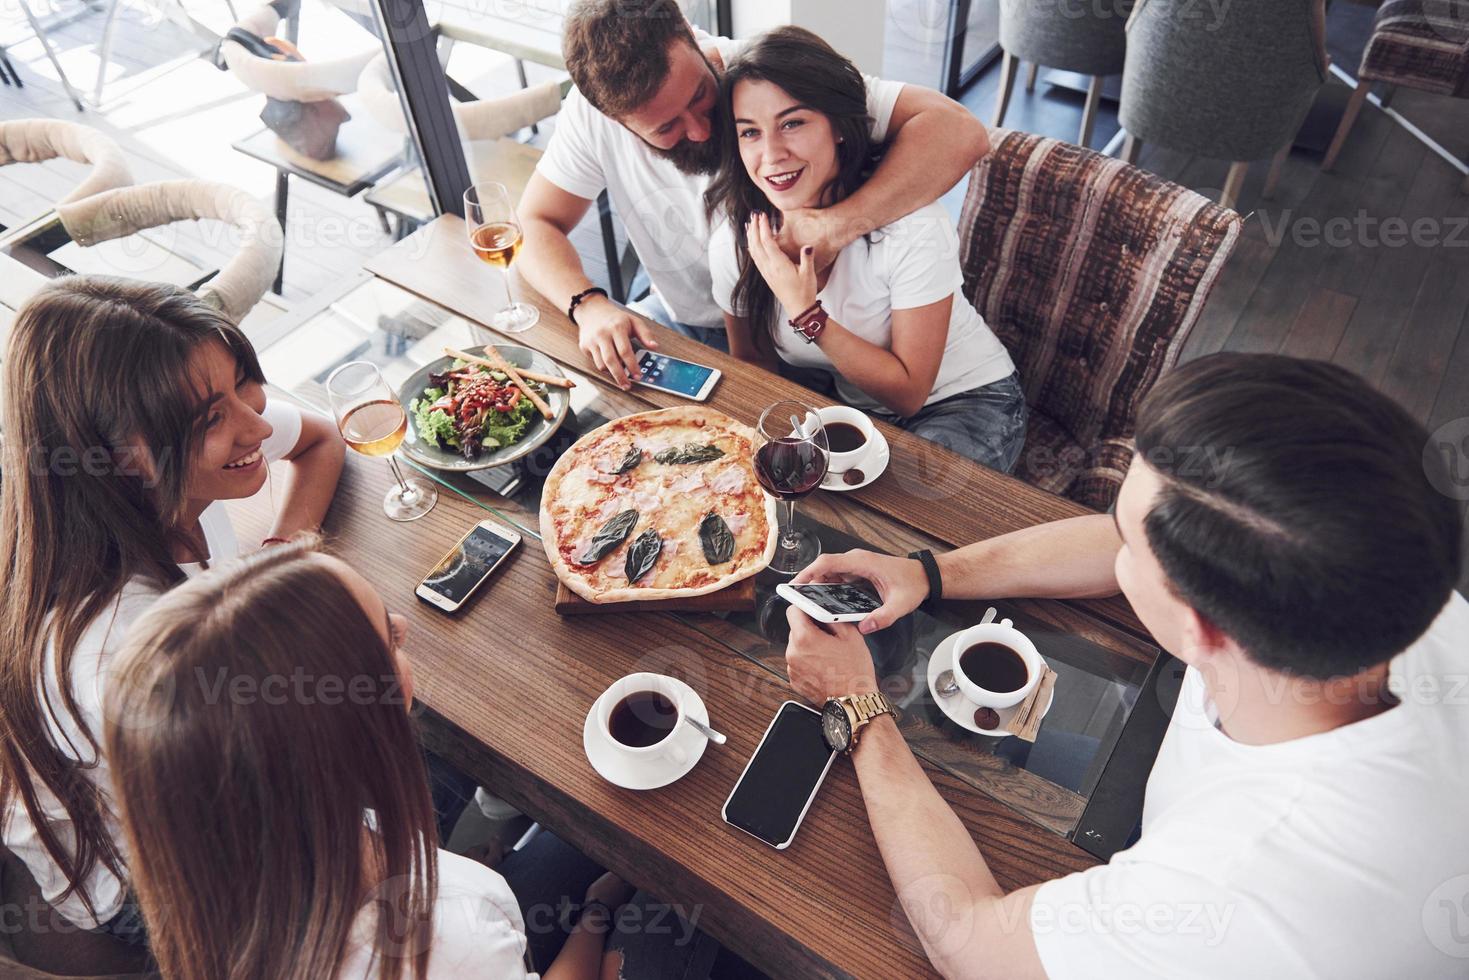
x: 885, y: 325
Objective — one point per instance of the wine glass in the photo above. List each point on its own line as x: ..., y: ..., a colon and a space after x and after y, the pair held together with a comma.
x: 372, y: 421
x: 494, y: 234
x: 790, y: 461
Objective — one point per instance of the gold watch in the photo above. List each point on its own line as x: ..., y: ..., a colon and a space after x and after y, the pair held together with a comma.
x: 843, y: 718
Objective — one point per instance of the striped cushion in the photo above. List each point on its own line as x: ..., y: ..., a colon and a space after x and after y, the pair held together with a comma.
x: 1423, y: 44
x: 1092, y: 272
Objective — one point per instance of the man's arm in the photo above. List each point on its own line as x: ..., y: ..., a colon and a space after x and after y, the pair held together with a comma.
x: 933, y: 143
x: 549, y: 262
x: 1069, y: 559
x: 967, y: 924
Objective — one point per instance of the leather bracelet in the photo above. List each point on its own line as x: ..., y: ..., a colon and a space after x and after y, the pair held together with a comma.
x: 931, y: 569
x: 580, y: 298
x: 810, y: 323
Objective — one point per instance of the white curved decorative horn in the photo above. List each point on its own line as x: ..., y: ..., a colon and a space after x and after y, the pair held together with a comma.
x: 33, y: 140
x: 485, y: 119
x: 293, y: 81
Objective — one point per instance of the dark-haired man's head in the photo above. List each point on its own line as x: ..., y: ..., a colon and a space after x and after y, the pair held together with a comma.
x: 636, y: 61
x: 1283, y: 504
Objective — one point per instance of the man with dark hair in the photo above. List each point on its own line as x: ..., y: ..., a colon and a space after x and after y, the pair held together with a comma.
x: 639, y: 125
x: 1278, y: 532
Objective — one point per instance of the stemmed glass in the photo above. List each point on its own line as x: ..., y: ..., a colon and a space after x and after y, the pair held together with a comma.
x: 790, y: 461
x: 494, y: 234
x: 372, y: 421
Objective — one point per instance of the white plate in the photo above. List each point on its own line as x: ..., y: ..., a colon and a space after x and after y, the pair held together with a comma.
x: 959, y: 709
x: 617, y: 769
x: 872, y: 467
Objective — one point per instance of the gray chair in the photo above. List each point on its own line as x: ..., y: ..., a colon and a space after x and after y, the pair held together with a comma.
x: 1088, y: 38
x: 1230, y: 86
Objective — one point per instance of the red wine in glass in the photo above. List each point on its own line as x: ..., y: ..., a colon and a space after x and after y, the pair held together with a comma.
x: 789, y: 469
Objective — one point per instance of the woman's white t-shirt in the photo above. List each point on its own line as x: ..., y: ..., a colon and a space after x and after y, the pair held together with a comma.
x: 89, y: 665
x: 478, y: 930
x: 908, y: 264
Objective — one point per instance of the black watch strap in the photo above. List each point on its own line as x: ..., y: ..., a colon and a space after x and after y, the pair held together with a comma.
x: 931, y: 569
x: 579, y: 299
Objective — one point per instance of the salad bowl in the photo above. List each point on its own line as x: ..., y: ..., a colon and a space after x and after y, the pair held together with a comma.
x: 421, y: 448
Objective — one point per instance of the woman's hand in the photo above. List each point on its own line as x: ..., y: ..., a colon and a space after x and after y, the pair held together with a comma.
x: 793, y: 285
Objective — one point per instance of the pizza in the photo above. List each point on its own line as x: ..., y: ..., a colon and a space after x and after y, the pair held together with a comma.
x: 658, y: 505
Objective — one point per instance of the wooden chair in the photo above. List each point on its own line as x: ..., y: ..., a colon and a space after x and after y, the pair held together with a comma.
x: 1092, y: 272
x: 1419, y: 45
x: 37, y: 944
x: 1089, y: 39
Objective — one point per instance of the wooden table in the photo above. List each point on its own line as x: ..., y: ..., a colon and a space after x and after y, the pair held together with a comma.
x: 507, y: 684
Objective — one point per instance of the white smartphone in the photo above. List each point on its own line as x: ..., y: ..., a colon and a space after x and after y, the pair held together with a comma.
x: 782, y: 777
x: 831, y: 602
x: 677, y: 377
x: 461, y: 571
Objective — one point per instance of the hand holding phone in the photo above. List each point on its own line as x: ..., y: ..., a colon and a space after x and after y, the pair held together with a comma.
x: 831, y: 602
x: 467, y: 565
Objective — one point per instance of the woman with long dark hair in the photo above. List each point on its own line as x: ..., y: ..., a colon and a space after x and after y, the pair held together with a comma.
x: 272, y: 790
x: 131, y: 411
x: 885, y: 326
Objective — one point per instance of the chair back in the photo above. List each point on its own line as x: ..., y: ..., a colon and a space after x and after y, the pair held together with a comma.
x: 1232, y: 83
x: 483, y: 119
x: 1092, y: 272
x: 33, y: 140
x: 1090, y: 38
x: 38, y: 944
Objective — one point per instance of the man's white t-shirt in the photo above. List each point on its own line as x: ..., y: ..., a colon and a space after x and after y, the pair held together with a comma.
x: 908, y: 264
x: 1343, y: 854
x: 661, y: 206
x: 477, y: 932
x: 90, y: 663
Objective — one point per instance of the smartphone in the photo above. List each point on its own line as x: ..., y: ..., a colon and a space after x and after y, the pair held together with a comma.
x: 831, y: 602
x: 782, y: 777
x: 684, y: 378
x: 466, y: 566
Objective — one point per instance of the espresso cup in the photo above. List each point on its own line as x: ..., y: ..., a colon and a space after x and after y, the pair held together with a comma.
x: 842, y: 461
x: 1005, y: 634
x: 641, y: 750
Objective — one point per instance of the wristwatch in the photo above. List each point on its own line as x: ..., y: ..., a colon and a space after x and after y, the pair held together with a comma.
x: 809, y: 324
x: 843, y: 718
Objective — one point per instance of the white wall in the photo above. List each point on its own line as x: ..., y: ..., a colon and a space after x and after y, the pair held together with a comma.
x: 853, y: 27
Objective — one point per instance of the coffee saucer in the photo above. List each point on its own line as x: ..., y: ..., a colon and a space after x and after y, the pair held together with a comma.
x: 619, y: 770
x: 872, y: 467
x: 959, y: 709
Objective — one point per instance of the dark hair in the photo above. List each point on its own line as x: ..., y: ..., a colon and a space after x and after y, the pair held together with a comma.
x: 810, y: 71
x: 1296, y: 514
x: 617, y: 50
x: 93, y: 364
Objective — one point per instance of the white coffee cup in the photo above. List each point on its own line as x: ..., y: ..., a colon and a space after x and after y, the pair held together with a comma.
x: 669, y: 747
x: 1006, y: 634
x: 840, y: 462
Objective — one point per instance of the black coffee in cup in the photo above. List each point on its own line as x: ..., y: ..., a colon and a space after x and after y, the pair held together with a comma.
x: 844, y: 437
x: 994, y: 667
x: 642, y: 718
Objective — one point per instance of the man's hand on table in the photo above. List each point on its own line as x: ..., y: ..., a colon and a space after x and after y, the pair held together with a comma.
x: 900, y: 582
x: 605, y: 333
x: 827, y: 660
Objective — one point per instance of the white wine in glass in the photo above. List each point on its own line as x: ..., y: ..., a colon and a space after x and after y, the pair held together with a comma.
x: 495, y: 236
x: 373, y: 423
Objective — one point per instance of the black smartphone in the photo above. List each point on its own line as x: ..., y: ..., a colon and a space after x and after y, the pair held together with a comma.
x: 467, y: 565
x: 782, y: 777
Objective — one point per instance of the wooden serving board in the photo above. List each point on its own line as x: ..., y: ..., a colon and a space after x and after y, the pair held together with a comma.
x: 739, y: 597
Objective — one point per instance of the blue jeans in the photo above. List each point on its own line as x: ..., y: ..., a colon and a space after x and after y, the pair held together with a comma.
x: 651, y: 306
x: 986, y: 424
x: 657, y: 941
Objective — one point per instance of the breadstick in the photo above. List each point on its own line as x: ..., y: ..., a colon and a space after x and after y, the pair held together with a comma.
x: 498, y: 363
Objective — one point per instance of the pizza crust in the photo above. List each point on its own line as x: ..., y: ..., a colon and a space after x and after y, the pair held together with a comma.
x: 573, y: 578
